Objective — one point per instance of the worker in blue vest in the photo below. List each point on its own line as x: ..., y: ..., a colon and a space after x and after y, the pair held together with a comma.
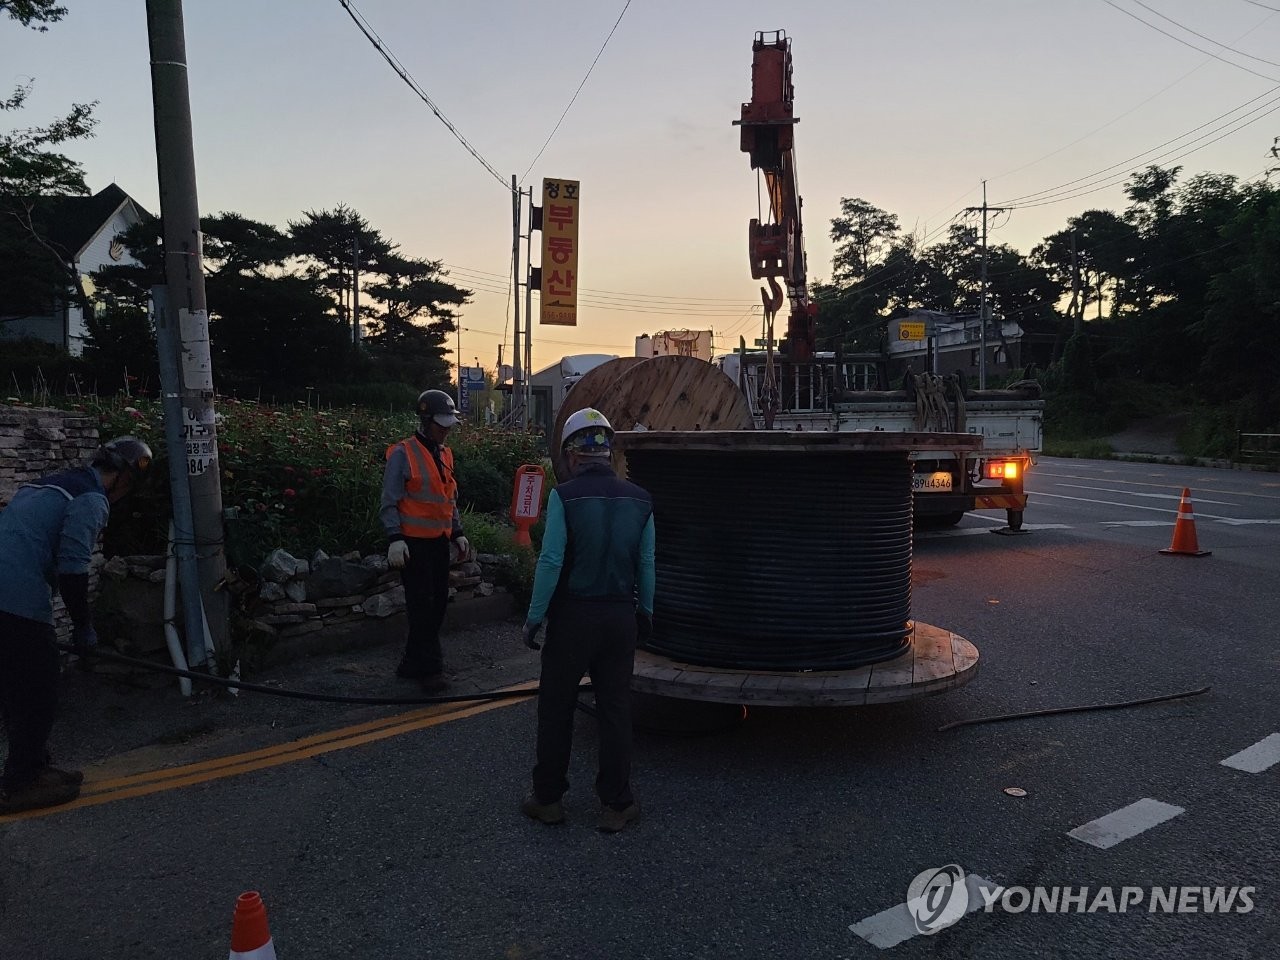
x: 47, y: 537
x: 419, y: 513
x: 594, y: 588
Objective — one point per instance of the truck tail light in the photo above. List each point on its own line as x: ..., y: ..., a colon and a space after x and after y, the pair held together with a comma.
x: 1003, y: 469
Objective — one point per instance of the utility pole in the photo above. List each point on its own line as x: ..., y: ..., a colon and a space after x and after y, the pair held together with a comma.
x: 184, y: 276
x: 982, y: 309
x: 1077, y: 308
x: 515, y: 280
x: 528, y: 314
x: 355, y: 290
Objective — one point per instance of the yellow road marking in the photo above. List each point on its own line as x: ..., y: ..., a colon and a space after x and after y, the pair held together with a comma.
x: 156, y: 781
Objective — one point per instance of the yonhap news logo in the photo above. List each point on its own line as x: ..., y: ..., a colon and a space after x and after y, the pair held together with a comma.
x: 937, y: 898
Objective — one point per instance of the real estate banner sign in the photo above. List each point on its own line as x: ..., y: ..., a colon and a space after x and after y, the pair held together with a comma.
x: 558, y: 297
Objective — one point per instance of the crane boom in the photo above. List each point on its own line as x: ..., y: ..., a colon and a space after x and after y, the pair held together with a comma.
x: 768, y: 136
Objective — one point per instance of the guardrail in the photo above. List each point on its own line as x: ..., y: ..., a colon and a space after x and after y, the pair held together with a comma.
x: 1258, y: 447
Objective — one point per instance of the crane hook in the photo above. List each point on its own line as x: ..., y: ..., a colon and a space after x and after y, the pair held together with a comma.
x: 772, y: 304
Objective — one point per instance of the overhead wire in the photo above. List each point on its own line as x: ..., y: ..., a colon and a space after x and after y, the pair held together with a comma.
x: 1273, y: 106
x: 576, y: 92
x: 1187, y: 43
x: 1128, y: 163
x: 1182, y: 26
x: 371, y: 35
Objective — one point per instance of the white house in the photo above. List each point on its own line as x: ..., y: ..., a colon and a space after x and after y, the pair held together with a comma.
x: 86, y: 231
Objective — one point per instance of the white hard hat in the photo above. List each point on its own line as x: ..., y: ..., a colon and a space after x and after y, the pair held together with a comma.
x: 588, y: 431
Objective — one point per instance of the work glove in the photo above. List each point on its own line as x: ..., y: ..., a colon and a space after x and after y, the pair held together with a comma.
x: 644, y: 627
x: 531, y: 631
x: 397, y: 554
x: 83, y: 636
x: 463, y: 546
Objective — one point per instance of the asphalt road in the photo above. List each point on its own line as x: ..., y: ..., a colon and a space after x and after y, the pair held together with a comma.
x: 795, y: 833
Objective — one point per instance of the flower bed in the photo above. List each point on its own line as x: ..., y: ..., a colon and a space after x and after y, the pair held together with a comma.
x: 301, y: 478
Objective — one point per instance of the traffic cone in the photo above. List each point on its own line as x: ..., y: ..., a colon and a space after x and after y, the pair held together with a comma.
x: 1184, y: 531
x: 250, y: 938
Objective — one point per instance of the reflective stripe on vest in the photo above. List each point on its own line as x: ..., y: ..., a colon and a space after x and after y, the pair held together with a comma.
x: 426, y: 510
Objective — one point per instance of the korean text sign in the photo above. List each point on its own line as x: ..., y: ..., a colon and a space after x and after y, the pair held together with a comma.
x: 559, y: 293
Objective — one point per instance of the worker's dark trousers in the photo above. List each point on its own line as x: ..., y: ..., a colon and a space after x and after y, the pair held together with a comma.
x: 426, y: 595
x: 28, y: 694
x: 596, y: 638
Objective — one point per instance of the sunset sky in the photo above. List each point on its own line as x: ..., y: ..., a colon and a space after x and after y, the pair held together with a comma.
x: 908, y: 104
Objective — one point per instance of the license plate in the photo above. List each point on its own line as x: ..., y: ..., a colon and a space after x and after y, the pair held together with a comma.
x: 939, y: 482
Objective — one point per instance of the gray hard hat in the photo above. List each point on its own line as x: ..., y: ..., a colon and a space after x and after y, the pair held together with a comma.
x: 437, y: 406
x: 125, y: 455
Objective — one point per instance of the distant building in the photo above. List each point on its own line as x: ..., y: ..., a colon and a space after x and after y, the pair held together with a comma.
x: 551, y: 384
x: 675, y: 343
x: 85, y: 231
x: 953, y: 344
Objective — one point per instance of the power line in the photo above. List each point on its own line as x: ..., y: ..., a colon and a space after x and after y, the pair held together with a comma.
x: 576, y: 92
x: 359, y: 20
x: 1187, y: 43
x: 1182, y: 26
x: 619, y: 293
x: 1138, y: 156
x: 1273, y: 106
x: 1263, y: 5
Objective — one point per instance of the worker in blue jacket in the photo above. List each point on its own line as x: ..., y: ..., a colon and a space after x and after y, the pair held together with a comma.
x: 48, y: 533
x: 594, y: 587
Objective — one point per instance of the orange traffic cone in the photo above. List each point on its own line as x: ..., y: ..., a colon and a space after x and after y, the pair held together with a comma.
x: 1184, y: 531
x: 250, y: 938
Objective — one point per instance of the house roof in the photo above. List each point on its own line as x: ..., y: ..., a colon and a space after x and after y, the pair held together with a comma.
x: 69, y: 223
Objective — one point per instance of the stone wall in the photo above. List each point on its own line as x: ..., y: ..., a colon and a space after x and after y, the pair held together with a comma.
x: 39, y: 440
x: 35, y: 441
x: 293, y: 597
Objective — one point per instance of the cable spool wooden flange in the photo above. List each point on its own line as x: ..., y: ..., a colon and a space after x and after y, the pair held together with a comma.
x: 676, y: 393
x: 664, y: 393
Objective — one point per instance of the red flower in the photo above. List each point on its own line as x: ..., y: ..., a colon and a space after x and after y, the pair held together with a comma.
x: 290, y: 492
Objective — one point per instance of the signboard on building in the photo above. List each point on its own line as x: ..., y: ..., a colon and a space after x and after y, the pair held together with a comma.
x: 558, y: 295
x: 676, y: 343
x: 911, y: 330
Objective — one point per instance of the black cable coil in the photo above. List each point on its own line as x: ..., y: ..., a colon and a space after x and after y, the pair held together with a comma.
x: 773, y: 560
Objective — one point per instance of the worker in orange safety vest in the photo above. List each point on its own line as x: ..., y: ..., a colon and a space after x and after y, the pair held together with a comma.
x: 419, y: 513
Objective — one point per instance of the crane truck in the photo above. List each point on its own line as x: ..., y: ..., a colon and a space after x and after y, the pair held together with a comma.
x: 797, y: 387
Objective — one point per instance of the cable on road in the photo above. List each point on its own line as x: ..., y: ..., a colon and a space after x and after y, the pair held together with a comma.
x: 112, y: 657
x: 1052, y: 711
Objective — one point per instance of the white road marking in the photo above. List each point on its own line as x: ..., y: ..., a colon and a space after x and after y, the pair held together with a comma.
x: 1262, y: 755
x: 1120, y: 825
x: 1138, y: 523
x: 888, y: 928
x: 1245, y: 523
x: 1138, y: 506
x: 1150, y: 496
x: 1203, y: 487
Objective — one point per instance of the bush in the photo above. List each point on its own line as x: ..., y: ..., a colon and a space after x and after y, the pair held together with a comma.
x: 296, y: 477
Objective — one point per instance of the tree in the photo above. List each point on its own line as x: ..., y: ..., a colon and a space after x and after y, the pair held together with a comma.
x: 34, y: 272
x: 38, y: 12
x: 414, y: 313
x: 863, y: 234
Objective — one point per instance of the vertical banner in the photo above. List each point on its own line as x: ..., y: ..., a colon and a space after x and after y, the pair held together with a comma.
x: 558, y: 299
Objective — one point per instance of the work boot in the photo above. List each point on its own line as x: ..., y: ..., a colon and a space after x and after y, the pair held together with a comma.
x: 54, y: 775
x: 434, y: 683
x: 548, y: 813
x: 613, y: 820
x: 44, y: 791
x: 408, y: 671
